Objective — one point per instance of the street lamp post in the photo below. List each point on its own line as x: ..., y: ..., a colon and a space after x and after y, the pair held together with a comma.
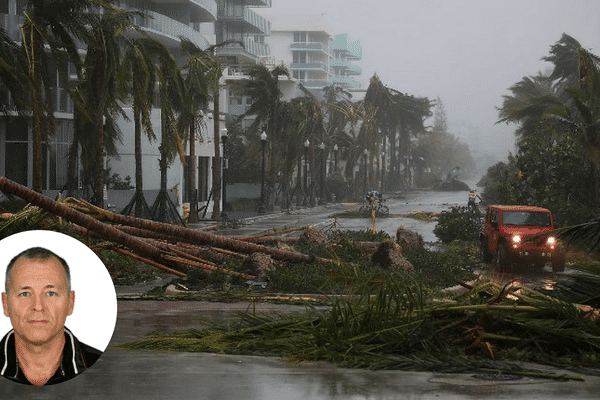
x: 224, y: 166
x: 366, y: 154
x: 335, y: 152
x: 323, y: 160
x: 262, y: 209
x: 306, y: 145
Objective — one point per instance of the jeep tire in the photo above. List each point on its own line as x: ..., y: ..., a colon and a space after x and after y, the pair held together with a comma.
x: 501, y: 260
x: 484, y: 254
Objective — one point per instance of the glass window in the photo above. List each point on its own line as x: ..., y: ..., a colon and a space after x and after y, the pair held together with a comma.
x: 526, y: 218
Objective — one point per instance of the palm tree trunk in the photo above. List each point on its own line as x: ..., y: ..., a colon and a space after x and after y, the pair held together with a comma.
x: 71, y: 173
x: 313, y: 175
x: 37, y: 108
x: 99, y: 164
x: 299, y: 191
x: 139, y: 176
x: 216, y: 170
x: 105, y: 231
x: 193, y: 191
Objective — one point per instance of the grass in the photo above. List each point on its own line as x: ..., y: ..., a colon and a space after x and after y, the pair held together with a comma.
x: 402, y: 326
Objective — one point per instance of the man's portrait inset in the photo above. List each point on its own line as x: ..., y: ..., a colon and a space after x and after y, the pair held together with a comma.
x: 38, y: 298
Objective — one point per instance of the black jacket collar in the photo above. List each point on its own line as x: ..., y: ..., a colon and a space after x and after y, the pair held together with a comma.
x: 76, y: 358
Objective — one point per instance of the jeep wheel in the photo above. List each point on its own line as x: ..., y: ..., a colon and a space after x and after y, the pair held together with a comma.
x: 501, y: 261
x: 484, y: 255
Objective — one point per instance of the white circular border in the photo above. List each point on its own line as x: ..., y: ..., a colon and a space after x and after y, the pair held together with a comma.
x: 95, y: 313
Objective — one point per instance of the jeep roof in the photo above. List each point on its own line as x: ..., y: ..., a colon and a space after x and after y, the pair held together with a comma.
x: 518, y: 208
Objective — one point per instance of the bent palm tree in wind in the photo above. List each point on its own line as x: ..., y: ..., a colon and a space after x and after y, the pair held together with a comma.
x: 55, y: 24
x: 137, y: 76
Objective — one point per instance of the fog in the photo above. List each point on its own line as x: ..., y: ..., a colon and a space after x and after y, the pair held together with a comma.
x: 467, y: 52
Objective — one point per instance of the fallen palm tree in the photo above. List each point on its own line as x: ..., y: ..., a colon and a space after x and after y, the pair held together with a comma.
x: 134, y: 234
x: 489, y: 329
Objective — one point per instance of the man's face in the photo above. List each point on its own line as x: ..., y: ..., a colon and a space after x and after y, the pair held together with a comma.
x: 38, y: 301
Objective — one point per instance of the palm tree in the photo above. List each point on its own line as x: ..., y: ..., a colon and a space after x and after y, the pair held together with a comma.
x: 198, y: 71
x: 98, y: 104
x: 13, y: 75
x: 566, y: 102
x: 172, y: 143
x: 138, y: 76
x: 263, y: 89
x: 314, y: 126
x: 55, y: 24
x: 579, y: 70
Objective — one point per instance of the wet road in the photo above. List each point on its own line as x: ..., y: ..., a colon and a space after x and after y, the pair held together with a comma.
x: 121, y: 374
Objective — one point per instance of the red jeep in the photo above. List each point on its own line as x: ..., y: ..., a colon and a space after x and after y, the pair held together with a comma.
x: 505, y: 230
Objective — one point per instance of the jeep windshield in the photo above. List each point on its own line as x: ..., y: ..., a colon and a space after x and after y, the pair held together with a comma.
x: 526, y: 218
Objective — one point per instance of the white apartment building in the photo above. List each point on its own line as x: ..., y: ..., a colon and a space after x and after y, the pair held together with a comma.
x: 316, y: 58
x: 204, y: 22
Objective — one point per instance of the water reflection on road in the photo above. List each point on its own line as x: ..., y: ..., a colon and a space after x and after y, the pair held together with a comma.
x: 432, y: 201
x: 405, y: 203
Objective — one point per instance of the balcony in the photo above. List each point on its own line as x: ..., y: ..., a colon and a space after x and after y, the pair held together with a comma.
x: 259, y: 3
x: 313, y: 66
x: 345, y: 82
x: 310, y: 46
x: 341, y: 44
x: 252, y: 23
x: 251, y: 49
x: 343, y: 64
x: 206, y: 10
x: 163, y: 26
x: 314, y: 83
x: 354, y: 70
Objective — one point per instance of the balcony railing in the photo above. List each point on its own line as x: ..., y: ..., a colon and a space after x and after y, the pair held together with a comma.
x: 354, y: 70
x: 321, y: 66
x: 250, y: 47
x: 314, y: 83
x: 345, y: 82
x: 310, y: 46
x: 258, y: 3
x: 340, y: 63
x: 166, y: 26
x: 208, y: 6
x: 254, y: 22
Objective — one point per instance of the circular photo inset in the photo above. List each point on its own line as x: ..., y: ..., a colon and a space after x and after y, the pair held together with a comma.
x: 59, y: 305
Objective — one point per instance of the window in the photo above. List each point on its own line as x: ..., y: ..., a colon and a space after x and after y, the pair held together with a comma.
x: 526, y: 218
x: 300, y: 75
x: 300, y: 37
x: 17, y: 150
x: 299, y: 57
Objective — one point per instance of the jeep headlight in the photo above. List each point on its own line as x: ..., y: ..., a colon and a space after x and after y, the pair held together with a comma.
x: 551, y: 241
x: 516, y: 241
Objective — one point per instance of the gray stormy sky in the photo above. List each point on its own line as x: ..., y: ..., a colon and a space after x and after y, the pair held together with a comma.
x: 467, y: 52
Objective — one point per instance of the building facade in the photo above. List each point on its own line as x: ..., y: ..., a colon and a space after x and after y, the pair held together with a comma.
x: 165, y: 21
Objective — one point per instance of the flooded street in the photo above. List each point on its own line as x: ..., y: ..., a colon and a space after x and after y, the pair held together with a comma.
x: 433, y: 201
x: 405, y: 203
x: 146, y: 374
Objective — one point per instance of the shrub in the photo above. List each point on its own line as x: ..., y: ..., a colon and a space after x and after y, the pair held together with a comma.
x: 458, y: 224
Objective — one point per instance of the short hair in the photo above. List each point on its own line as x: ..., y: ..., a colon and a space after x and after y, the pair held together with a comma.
x: 37, y: 253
